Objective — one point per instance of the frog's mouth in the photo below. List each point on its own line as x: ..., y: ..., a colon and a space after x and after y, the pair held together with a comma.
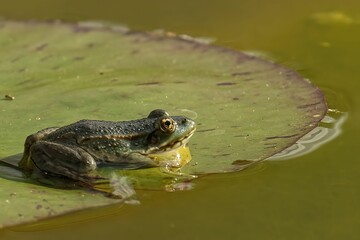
x: 174, y: 154
x: 171, y: 145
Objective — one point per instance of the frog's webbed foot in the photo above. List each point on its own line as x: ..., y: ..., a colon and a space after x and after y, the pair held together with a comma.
x: 61, y: 160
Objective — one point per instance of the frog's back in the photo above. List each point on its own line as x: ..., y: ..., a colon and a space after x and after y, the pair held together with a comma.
x: 99, y: 128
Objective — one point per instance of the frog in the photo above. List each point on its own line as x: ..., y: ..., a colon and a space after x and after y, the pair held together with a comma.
x: 77, y: 150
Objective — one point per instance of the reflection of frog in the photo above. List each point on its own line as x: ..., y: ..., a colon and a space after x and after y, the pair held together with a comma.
x: 76, y: 150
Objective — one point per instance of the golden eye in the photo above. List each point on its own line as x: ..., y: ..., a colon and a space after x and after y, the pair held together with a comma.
x: 167, y: 125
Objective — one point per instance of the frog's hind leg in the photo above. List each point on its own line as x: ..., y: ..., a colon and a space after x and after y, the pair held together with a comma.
x: 25, y: 162
x: 59, y: 159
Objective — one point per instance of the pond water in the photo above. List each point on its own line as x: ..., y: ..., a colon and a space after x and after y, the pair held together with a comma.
x: 312, y: 196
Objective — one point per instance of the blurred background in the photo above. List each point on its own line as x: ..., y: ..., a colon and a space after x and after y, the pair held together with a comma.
x: 315, y: 196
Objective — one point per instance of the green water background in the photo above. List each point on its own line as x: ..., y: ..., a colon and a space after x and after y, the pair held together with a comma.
x: 315, y: 196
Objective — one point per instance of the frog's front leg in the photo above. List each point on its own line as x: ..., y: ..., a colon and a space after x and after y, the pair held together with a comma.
x: 60, y: 159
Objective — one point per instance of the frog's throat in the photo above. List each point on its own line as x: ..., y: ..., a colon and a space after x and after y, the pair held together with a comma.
x: 170, y: 146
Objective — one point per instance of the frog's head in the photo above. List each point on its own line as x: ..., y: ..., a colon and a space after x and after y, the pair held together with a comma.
x: 169, y: 132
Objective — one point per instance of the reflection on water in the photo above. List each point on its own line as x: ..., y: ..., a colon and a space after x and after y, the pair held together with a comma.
x: 329, y: 128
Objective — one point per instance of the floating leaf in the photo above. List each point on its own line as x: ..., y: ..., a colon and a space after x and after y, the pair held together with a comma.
x: 55, y: 73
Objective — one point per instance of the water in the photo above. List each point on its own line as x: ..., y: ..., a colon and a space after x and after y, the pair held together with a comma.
x: 313, y: 196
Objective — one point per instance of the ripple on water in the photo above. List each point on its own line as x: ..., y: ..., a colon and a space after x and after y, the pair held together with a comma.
x: 329, y: 128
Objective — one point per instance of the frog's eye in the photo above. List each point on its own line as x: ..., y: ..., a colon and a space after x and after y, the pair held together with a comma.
x: 167, y: 125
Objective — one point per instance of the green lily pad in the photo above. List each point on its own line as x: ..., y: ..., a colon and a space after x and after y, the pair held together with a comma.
x: 247, y: 108
x: 22, y: 201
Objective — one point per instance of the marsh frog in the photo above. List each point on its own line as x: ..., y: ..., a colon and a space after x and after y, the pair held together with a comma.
x: 77, y: 150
